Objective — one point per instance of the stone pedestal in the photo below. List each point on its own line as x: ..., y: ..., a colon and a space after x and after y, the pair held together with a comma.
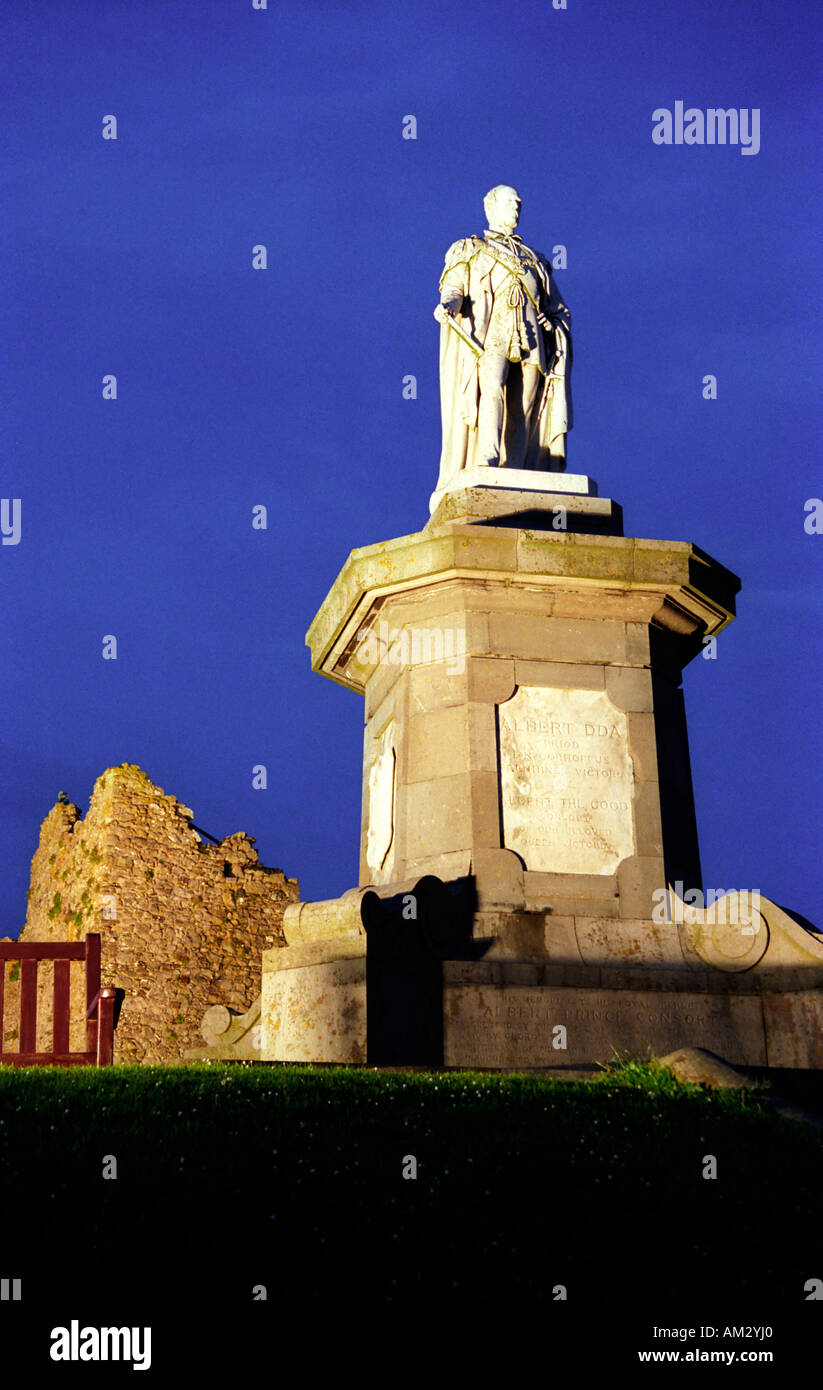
x: 524, y: 718
x: 525, y: 734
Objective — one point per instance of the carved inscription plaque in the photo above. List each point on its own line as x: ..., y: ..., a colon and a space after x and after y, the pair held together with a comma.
x: 566, y: 780
x: 381, y: 802
x: 493, y: 1026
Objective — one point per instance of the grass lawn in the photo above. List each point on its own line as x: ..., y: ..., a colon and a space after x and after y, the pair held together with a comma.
x: 231, y: 1176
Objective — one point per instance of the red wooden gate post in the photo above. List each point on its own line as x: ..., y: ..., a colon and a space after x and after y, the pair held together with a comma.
x: 105, y: 1026
x: 92, y: 987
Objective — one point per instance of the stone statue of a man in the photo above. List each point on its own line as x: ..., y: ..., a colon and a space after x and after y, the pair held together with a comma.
x: 505, y: 351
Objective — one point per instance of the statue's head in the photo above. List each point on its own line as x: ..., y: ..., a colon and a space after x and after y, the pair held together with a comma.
x: 502, y: 208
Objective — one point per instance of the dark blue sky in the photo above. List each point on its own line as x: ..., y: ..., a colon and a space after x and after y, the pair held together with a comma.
x: 235, y: 387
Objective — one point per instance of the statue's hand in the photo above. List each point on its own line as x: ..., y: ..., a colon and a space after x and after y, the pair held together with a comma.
x: 440, y: 314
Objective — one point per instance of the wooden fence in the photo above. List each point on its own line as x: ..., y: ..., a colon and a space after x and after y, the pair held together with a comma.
x: 99, y: 1004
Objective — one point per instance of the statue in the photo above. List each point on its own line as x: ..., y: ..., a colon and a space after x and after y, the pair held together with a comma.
x: 505, y: 351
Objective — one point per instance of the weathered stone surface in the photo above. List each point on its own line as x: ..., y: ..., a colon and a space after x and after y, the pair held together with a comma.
x: 499, y: 874
x: 636, y: 582
x: 438, y: 744
x: 519, y: 988
x: 433, y: 688
x: 602, y: 941
x: 567, y: 782
x: 515, y: 505
x: 190, y: 922
x: 648, y: 827
x: 629, y: 688
x: 530, y: 480
x: 515, y: 1023
x: 323, y: 921
x: 572, y: 674
x: 229, y: 1036
x: 523, y: 635
x: 638, y: 879
x: 794, y: 1028
x: 701, y: 1068
x: 315, y: 1010
x: 491, y: 679
x: 439, y: 816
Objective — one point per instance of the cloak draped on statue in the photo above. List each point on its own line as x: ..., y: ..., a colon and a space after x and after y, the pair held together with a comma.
x: 473, y: 275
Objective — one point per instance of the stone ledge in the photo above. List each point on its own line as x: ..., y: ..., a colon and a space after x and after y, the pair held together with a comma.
x: 671, y: 584
x: 313, y: 953
x: 527, y: 510
x: 527, y: 480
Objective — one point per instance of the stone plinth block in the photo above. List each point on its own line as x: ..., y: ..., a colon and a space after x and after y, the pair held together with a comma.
x: 313, y: 1002
x: 428, y: 976
x: 510, y: 1023
x: 538, y: 509
x: 532, y: 480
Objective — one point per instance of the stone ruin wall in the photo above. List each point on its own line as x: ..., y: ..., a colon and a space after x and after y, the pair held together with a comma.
x: 183, y: 923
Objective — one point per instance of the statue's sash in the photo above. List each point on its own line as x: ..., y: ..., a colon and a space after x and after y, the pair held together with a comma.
x: 515, y: 267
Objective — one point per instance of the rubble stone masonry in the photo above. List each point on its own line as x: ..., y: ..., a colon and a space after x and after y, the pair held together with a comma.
x: 183, y: 923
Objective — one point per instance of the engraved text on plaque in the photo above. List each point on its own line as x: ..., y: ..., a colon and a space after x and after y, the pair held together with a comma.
x: 566, y: 780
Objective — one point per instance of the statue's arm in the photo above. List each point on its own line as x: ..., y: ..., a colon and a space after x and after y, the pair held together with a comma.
x: 554, y: 313
x: 555, y: 307
x: 454, y: 282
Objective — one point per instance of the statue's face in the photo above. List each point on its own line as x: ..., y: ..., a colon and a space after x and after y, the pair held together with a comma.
x: 505, y: 210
